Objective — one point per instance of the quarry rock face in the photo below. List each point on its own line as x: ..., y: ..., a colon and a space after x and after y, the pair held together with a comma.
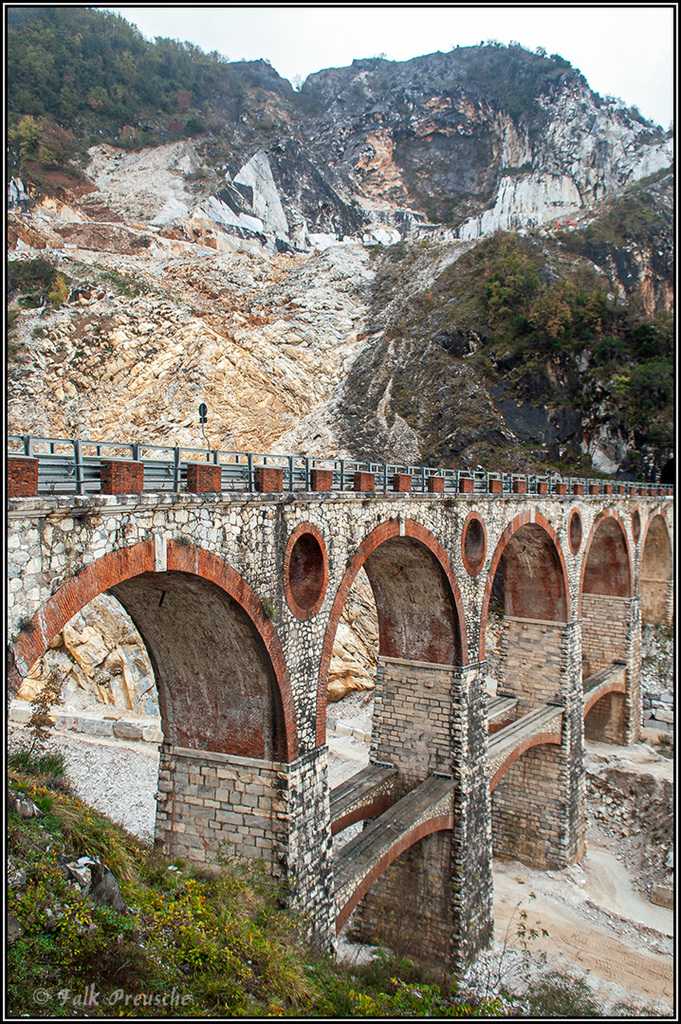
x: 258, y: 268
x: 450, y: 145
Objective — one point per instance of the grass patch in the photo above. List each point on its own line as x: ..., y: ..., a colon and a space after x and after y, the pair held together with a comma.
x: 220, y: 936
x: 30, y: 763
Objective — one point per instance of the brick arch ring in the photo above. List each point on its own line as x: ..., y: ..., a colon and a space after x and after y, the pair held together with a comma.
x: 525, y: 518
x: 539, y: 740
x: 386, y: 531
x: 609, y: 513
x: 659, y: 511
x: 442, y: 823
x: 125, y: 563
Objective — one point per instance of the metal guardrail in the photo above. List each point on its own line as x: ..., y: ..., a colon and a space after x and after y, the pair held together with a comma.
x: 73, y: 466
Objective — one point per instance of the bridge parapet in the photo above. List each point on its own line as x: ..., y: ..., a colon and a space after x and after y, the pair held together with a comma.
x: 501, y: 711
x: 77, y: 466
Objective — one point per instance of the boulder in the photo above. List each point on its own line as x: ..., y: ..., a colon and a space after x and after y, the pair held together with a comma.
x: 663, y: 896
x: 104, y: 888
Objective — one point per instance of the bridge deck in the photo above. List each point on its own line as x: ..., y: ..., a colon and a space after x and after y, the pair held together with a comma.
x: 369, y: 790
x: 604, y: 675
x: 500, y: 709
x: 365, y: 856
x: 610, y: 679
x: 545, y: 720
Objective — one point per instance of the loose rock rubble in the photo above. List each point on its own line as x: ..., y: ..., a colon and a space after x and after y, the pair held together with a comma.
x: 630, y: 809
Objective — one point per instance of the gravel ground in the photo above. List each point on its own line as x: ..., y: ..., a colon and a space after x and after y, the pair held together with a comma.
x: 117, y: 778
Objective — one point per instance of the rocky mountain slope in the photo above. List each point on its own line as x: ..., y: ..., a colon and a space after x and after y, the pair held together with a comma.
x: 193, y: 208
x: 448, y: 145
x: 464, y: 258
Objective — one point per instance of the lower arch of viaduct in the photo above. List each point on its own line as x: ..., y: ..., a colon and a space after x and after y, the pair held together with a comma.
x: 238, y: 600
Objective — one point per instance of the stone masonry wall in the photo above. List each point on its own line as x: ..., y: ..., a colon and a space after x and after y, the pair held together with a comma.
x: 538, y: 805
x: 605, y: 630
x: 412, y: 719
x: 611, y: 631
x: 532, y: 654
x: 435, y: 899
x: 211, y: 804
x: 214, y: 805
x: 64, y: 550
x: 527, y: 812
x: 409, y: 907
x: 309, y: 857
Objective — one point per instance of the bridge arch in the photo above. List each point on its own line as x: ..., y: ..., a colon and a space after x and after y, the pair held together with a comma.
x: 528, y: 552
x: 528, y: 576
x: 406, y: 840
x: 607, y: 565
x: 655, y: 573
x: 418, y: 601
x: 614, y: 683
x: 207, y: 636
x: 539, y: 739
x: 610, y: 627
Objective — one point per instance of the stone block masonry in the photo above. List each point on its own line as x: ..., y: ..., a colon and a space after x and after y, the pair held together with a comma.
x: 611, y: 631
x: 538, y: 806
x: 212, y: 805
x: 411, y: 725
x: 207, y: 576
x: 532, y: 653
x: 435, y: 899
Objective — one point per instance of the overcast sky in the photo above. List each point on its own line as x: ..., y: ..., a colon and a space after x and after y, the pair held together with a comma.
x: 624, y: 51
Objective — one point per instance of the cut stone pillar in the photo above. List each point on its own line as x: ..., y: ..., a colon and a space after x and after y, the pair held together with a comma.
x: 611, y: 631
x: 434, y: 902
x: 212, y: 804
x: 538, y: 804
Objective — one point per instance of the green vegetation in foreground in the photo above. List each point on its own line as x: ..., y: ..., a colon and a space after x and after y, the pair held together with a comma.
x: 221, y: 936
x: 212, y: 941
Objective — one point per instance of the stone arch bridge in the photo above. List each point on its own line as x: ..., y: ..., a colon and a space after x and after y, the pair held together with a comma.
x: 237, y: 597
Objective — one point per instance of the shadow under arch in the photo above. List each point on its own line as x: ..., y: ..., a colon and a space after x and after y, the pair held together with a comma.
x: 608, y: 629
x: 655, y: 570
x: 607, y: 565
x: 534, y: 548
x: 190, y: 651
x: 402, y: 565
